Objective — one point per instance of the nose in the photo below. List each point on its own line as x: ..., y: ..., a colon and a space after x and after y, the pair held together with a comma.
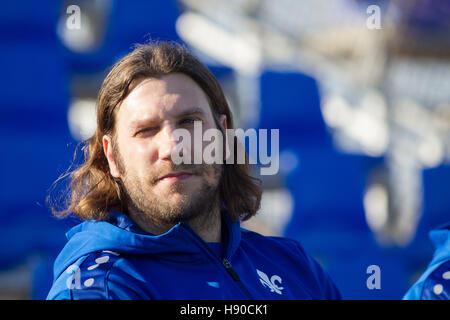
x: 167, y: 143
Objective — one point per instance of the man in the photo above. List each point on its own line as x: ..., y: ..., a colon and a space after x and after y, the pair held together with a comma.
x: 156, y: 230
x: 434, y: 283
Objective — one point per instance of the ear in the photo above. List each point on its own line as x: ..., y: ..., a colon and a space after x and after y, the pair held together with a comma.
x: 223, y: 121
x: 107, y: 149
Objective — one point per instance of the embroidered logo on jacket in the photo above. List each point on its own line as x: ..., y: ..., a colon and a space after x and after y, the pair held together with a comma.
x: 270, y: 283
x: 74, y: 280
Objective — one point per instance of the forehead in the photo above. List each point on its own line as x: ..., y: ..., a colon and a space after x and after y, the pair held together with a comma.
x: 162, y: 98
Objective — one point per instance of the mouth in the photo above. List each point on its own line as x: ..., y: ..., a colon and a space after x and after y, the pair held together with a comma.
x: 176, y: 176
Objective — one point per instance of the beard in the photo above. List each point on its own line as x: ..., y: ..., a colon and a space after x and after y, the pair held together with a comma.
x: 181, y: 201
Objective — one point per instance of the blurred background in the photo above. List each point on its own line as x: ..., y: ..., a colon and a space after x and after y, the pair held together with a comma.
x: 360, y: 91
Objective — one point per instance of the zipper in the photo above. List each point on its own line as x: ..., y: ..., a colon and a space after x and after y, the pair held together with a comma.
x: 230, y: 269
x: 225, y: 262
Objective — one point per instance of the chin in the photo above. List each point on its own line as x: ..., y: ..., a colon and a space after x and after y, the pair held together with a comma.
x: 177, y: 198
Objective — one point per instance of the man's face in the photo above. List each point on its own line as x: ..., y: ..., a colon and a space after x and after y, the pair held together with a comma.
x: 159, y: 190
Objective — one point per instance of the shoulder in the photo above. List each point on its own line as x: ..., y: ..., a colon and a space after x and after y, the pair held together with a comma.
x: 285, y: 244
x: 434, y: 282
x: 437, y: 285
x: 86, y: 278
x: 292, y: 255
x: 285, y: 249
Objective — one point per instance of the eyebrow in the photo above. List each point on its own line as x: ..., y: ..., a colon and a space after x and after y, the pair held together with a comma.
x: 189, y: 112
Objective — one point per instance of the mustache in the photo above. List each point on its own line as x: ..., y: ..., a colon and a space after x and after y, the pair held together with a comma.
x: 193, y: 169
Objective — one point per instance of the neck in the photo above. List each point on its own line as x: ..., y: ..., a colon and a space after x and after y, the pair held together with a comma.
x: 207, y: 225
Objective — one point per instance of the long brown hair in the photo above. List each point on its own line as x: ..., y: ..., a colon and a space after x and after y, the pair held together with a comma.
x: 93, y: 192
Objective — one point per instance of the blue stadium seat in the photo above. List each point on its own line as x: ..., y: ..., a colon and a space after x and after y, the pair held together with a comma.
x: 28, y: 229
x: 290, y: 101
x: 29, y: 20
x: 34, y: 160
x: 150, y: 18
x: 42, y: 276
x: 329, y: 221
x: 349, y: 271
x: 221, y: 72
x: 33, y: 129
x: 435, y: 212
x: 326, y: 183
x: 436, y: 203
x: 329, y: 185
x: 37, y: 94
x: 130, y: 22
x: 328, y: 188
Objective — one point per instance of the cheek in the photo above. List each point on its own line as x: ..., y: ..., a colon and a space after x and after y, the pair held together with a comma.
x: 139, y: 155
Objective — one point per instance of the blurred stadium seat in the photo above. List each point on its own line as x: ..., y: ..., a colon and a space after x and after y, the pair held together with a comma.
x: 290, y: 102
x: 436, y: 207
x: 435, y: 212
x: 327, y: 187
x: 150, y: 20
x: 33, y: 130
x: 29, y: 20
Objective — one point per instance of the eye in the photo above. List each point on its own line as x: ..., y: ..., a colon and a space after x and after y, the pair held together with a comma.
x: 147, y: 131
x: 189, y: 121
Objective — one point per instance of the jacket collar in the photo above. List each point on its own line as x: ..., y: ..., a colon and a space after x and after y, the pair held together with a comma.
x: 120, y: 234
x: 231, y: 231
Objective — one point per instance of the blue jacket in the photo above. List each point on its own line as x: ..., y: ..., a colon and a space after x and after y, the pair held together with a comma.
x: 115, y: 259
x: 434, y: 283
